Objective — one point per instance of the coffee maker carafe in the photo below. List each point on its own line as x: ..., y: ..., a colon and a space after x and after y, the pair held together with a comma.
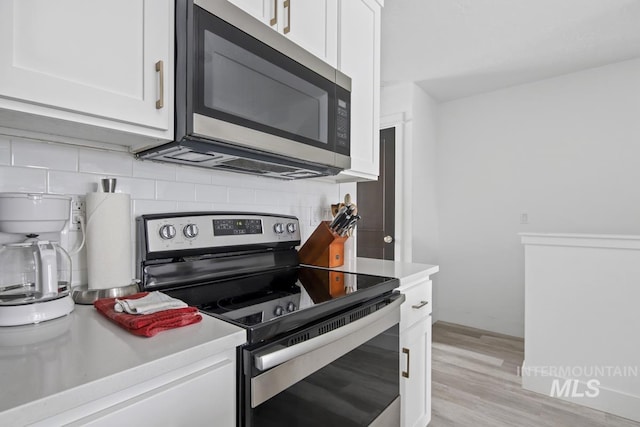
x: 35, y: 275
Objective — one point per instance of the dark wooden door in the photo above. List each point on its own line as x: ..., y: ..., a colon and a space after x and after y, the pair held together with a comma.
x: 376, y: 204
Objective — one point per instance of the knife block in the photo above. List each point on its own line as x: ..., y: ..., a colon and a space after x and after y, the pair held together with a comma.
x: 324, y: 248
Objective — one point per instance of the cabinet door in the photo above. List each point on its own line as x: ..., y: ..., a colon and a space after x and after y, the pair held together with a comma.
x: 359, y: 58
x: 415, y: 364
x: 257, y: 8
x: 95, y: 59
x: 313, y: 25
x: 203, y: 397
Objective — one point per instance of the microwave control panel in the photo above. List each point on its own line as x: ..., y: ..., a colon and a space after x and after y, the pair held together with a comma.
x: 342, y: 123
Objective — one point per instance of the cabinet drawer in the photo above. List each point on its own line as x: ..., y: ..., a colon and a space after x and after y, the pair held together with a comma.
x: 414, y: 307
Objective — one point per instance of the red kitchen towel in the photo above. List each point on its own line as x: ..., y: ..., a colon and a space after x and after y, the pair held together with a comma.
x: 147, y: 325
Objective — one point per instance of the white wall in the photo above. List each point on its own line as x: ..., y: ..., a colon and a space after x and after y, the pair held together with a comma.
x: 418, y: 146
x: 565, y: 151
x: 32, y: 166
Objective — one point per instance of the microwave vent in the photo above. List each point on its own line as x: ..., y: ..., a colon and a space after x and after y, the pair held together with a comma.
x: 249, y: 165
x: 193, y: 157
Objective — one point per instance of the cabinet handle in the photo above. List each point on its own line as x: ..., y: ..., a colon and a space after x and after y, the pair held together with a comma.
x: 160, y: 69
x: 287, y: 5
x: 422, y: 304
x: 406, y: 373
x: 274, y: 20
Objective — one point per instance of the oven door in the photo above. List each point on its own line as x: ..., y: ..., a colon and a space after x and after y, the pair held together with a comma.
x: 346, y: 376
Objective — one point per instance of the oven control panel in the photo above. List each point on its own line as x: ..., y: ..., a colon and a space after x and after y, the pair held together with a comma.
x: 217, y: 230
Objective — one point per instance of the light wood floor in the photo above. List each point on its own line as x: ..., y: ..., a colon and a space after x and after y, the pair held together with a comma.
x: 475, y: 384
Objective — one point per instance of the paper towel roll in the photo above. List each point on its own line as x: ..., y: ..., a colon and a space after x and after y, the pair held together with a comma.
x: 108, y: 240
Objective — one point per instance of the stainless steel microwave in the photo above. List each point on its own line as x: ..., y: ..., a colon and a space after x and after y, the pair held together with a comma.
x: 250, y: 100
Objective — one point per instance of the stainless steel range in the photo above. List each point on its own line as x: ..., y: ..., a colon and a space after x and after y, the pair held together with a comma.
x: 323, y: 346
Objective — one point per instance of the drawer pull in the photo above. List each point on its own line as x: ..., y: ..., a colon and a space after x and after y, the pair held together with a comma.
x: 274, y: 20
x: 406, y: 373
x: 160, y: 70
x: 287, y: 5
x: 422, y: 304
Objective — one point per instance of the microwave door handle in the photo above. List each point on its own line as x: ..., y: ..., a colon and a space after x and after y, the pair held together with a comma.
x: 297, y: 362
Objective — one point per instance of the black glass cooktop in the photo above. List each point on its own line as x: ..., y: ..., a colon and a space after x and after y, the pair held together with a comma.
x: 271, y: 303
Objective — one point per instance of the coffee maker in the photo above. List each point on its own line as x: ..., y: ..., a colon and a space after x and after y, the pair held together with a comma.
x: 35, y: 271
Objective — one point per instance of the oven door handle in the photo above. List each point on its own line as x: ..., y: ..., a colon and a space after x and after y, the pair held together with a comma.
x: 292, y: 364
x: 269, y: 359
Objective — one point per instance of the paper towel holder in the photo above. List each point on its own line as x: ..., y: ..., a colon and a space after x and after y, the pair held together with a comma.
x: 108, y: 185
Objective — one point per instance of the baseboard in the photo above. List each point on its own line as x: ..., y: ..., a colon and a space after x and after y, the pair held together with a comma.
x: 607, y: 400
x: 474, y: 320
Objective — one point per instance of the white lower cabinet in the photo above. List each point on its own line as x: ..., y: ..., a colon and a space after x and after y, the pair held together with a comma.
x: 201, y: 393
x: 415, y: 354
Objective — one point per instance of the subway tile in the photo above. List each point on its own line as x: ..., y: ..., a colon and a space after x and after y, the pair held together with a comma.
x: 241, y: 195
x: 236, y: 179
x: 236, y: 207
x: 142, y: 207
x: 5, y: 150
x: 103, y: 162
x: 23, y: 179
x: 211, y: 193
x: 154, y: 170
x: 137, y: 188
x: 44, y: 155
x: 268, y: 197
x: 73, y: 182
x: 194, y: 206
x: 191, y: 174
x: 168, y: 190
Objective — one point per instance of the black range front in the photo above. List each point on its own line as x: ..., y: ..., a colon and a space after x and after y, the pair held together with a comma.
x: 322, y: 345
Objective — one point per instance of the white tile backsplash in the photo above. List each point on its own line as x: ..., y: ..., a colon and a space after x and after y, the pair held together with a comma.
x: 137, y: 188
x: 105, y: 162
x: 155, y: 187
x: 5, y: 150
x: 241, y: 195
x: 194, y: 206
x: 73, y: 182
x: 141, y: 207
x: 192, y: 174
x: 43, y: 155
x: 211, y: 193
x: 23, y: 179
x: 154, y: 170
x: 181, y: 191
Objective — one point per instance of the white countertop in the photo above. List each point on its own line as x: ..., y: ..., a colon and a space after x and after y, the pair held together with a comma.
x: 379, y: 267
x: 82, y: 356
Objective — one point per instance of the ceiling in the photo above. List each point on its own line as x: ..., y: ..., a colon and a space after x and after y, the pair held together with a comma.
x: 458, y: 48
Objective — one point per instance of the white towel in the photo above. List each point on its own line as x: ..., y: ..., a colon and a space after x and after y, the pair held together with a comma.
x: 155, y: 301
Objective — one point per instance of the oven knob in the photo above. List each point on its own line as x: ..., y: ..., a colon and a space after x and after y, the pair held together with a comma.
x: 291, y: 307
x: 278, y: 228
x: 167, y: 232
x: 291, y: 227
x: 278, y: 311
x: 190, y: 231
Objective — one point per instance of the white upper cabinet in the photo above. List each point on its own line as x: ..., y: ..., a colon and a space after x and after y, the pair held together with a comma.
x: 359, y: 58
x: 312, y: 24
x: 106, y: 64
